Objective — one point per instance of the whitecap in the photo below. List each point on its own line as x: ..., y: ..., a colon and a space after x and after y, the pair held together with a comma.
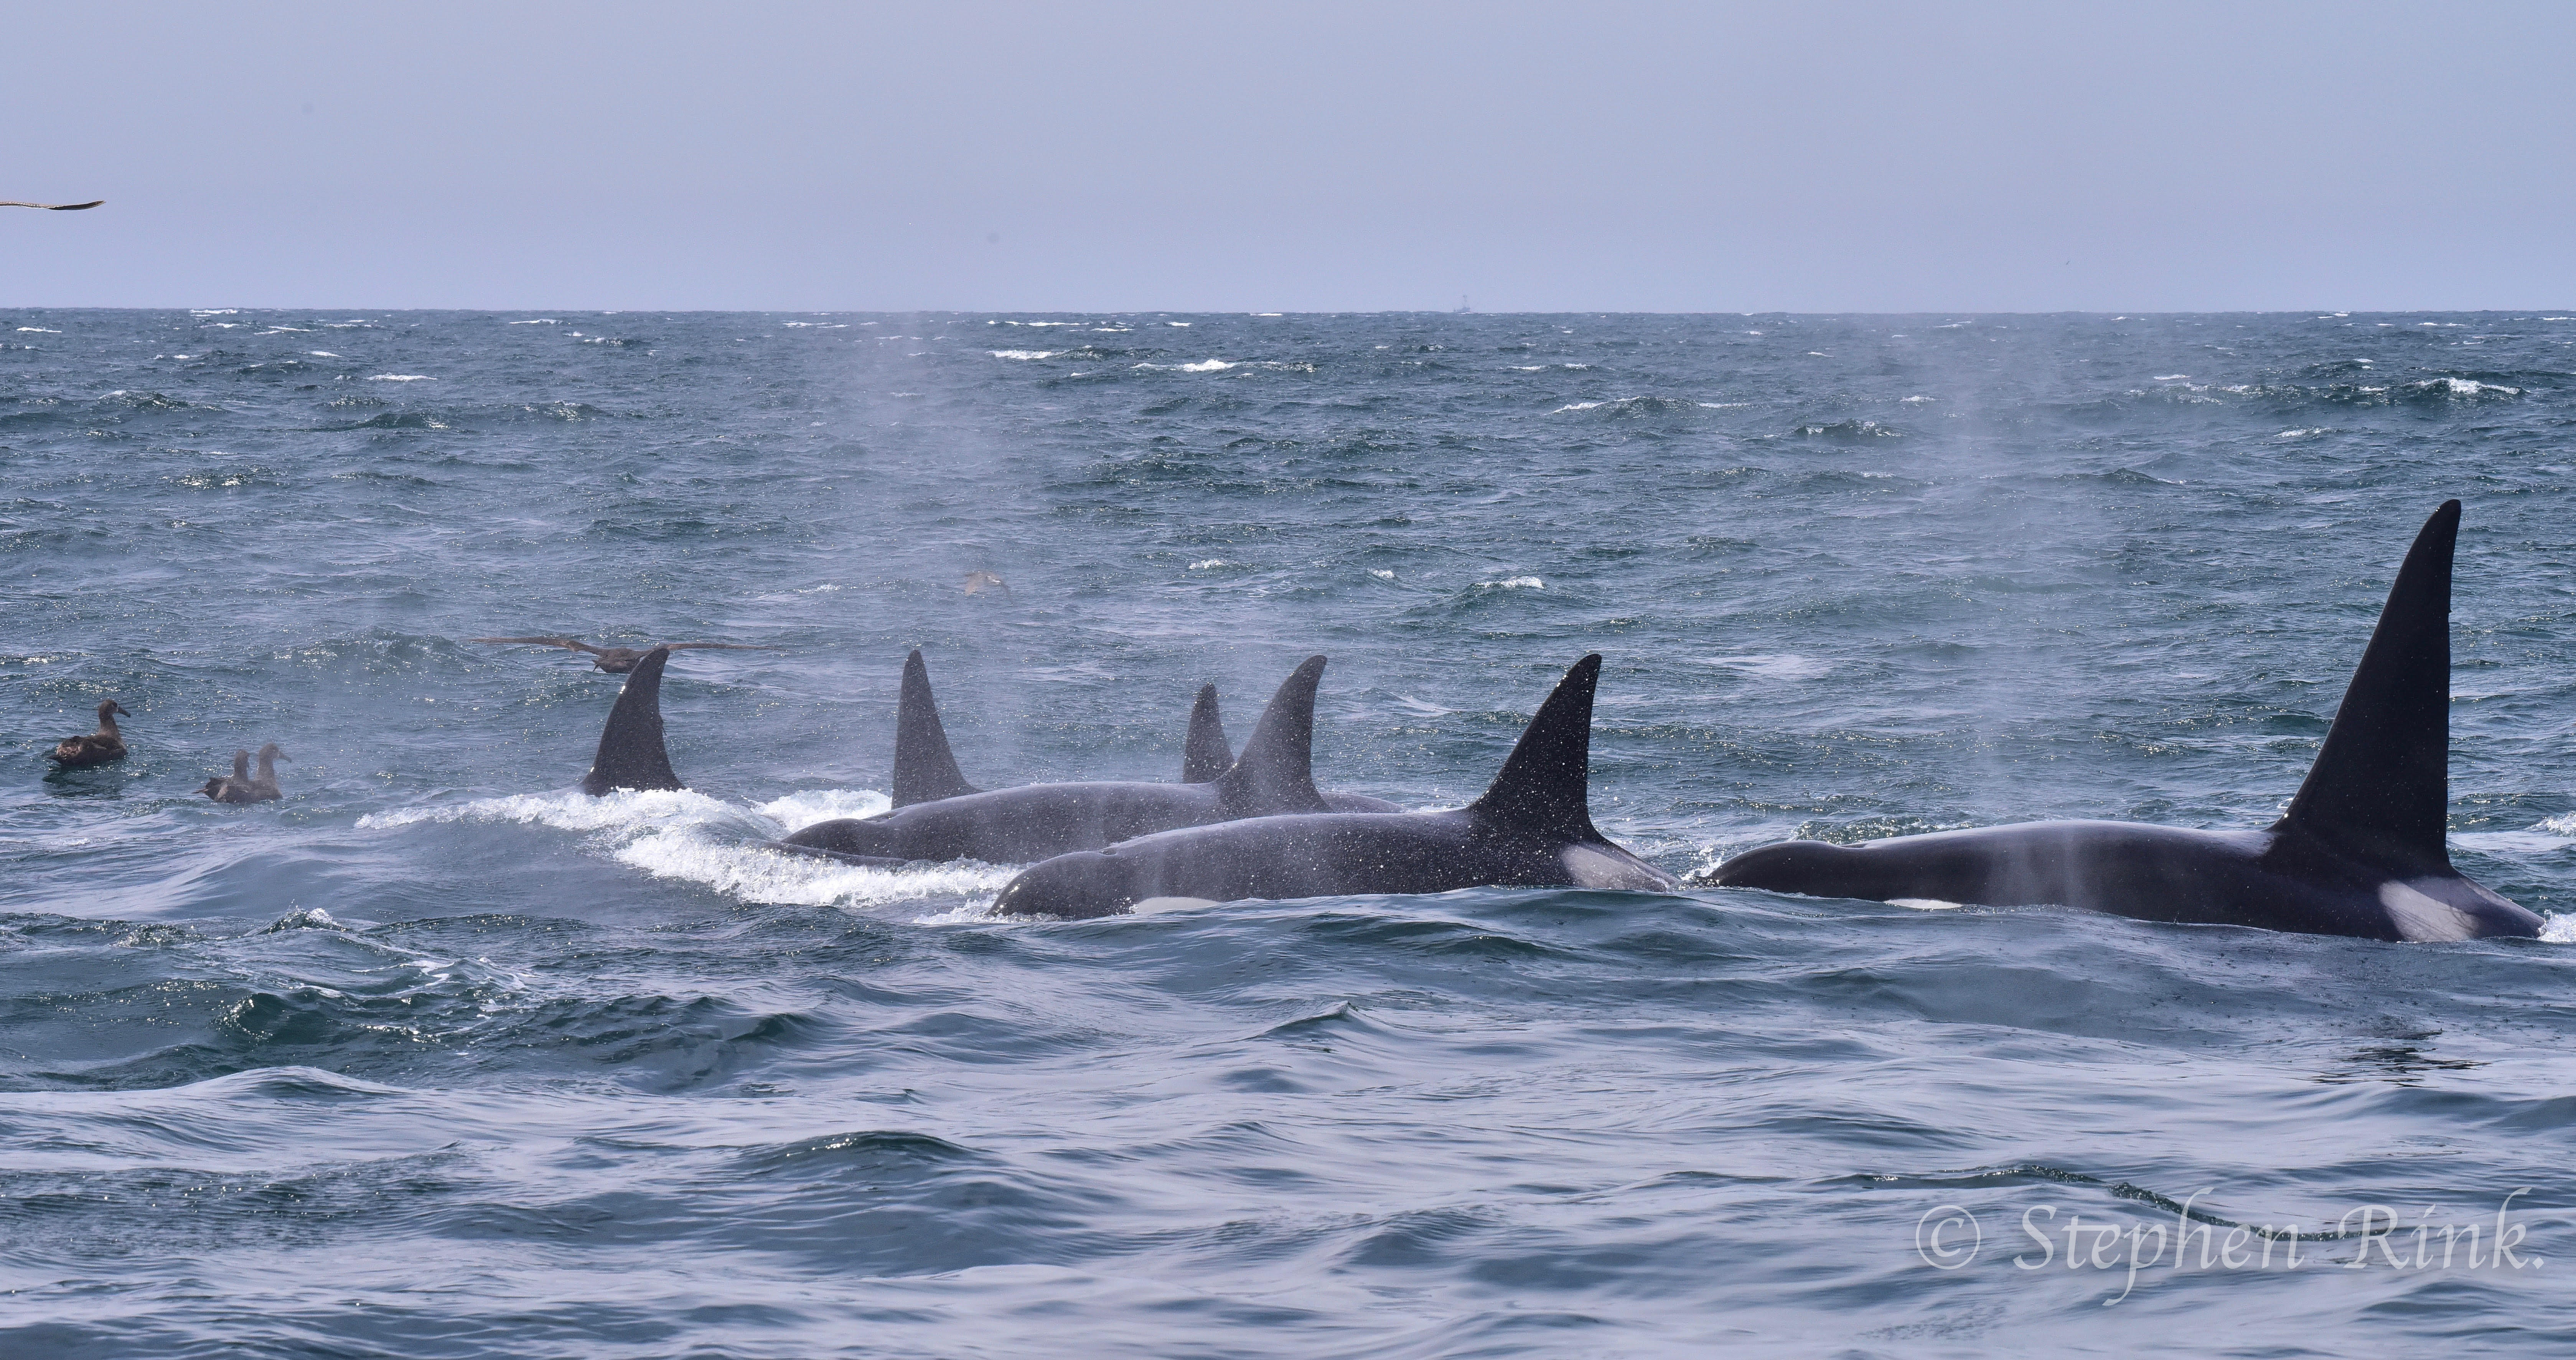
x: 540, y: 321
x: 2171, y: 377
x: 1574, y: 406
x: 1207, y: 366
x: 1381, y: 575
x: 39, y: 330
x: 322, y: 354
x: 1176, y: 323
x: 1923, y: 904
x: 2301, y: 434
x: 2558, y: 928
x: 398, y: 377
x: 1915, y: 399
x: 1023, y: 354
x: 1513, y: 583
x: 1209, y: 564
x: 823, y: 805
x: 1784, y: 666
x: 688, y: 836
x: 2536, y: 841
x: 1734, y: 405
x: 758, y: 873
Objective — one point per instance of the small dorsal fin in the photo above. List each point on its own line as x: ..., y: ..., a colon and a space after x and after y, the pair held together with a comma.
x: 1276, y: 772
x: 1545, y: 783
x: 924, y: 769
x: 631, y: 755
x: 1206, y: 755
x: 2381, y: 787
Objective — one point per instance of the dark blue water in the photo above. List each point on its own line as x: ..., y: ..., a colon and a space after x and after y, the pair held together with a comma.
x: 437, y: 1058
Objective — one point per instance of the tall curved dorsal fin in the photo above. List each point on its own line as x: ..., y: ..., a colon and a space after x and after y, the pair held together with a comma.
x: 1205, y: 756
x: 631, y: 755
x: 2381, y: 787
x: 925, y: 771
x: 1276, y: 772
x: 1545, y: 785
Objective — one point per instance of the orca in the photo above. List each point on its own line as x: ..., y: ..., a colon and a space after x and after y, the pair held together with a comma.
x: 2360, y: 852
x: 631, y: 754
x: 1207, y: 755
x: 1036, y: 821
x: 925, y: 770
x: 1532, y: 828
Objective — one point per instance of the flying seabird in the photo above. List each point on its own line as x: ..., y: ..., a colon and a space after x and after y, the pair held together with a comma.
x: 620, y: 660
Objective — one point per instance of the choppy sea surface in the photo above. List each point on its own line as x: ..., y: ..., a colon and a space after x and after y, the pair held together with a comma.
x: 436, y: 1057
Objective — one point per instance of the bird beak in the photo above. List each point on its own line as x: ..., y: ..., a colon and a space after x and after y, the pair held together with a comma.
x: 120, y: 712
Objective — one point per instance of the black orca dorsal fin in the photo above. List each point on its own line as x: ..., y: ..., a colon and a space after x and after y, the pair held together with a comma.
x: 631, y: 755
x: 1205, y: 756
x: 2381, y: 787
x: 925, y: 771
x: 1545, y: 785
x: 1276, y: 772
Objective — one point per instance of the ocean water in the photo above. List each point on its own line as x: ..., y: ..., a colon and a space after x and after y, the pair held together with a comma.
x: 435, y: 1057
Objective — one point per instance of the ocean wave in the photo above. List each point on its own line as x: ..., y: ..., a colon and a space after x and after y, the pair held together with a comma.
x: 1629, y: 407
x: 690, y: 837
x: 1024, y: 353
x: 1848, y: 431
x: 399, y: 377
x: 1781, y: 666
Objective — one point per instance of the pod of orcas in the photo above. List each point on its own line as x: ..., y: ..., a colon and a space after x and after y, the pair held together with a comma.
x: 2360, y: 852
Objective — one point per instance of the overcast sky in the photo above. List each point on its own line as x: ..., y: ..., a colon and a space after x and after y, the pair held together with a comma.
x: 1293, y: 156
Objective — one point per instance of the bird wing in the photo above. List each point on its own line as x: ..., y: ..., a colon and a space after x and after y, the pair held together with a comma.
x: 573, y: 643
x: 53, y: 207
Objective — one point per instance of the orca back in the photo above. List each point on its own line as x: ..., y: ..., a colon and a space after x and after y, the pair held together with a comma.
x: 1276, y: 772
x: 1206, y: 755
x: 631, y: 755
x: 2380, y: 789
x: 1545, y: 786
x: 925, y: 771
